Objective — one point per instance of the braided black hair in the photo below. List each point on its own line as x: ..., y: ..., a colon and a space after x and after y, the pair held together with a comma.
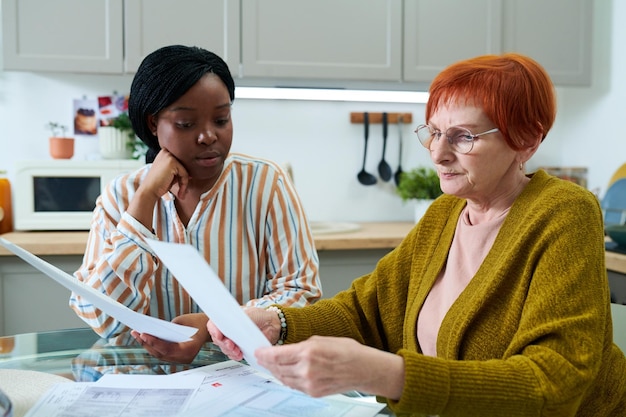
x: 162, y: 78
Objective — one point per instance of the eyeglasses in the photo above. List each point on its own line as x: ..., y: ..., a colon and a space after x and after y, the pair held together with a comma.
x: 460, y: 139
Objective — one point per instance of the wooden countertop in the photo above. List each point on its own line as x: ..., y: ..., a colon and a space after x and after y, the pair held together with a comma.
x: 615, y: 262
x: 376, y: 235
x: 47, y: 243
x: 381, y: 235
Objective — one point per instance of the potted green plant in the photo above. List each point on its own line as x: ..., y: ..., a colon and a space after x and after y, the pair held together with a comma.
x: 118, y: 139
x: 122, y: 123
x: 61, y: 146
x: 421, y: 184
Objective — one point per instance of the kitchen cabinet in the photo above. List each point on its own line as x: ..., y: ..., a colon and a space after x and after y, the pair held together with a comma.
x: 30, y: 301
x: 557, y: 33
x: 324, y: 39
x: 410, y: 41
x: 63, y: 35
x: 151, y: 24
x: 352, y: 43
x: 339, y: 268
x: 113, y: 36
x: 437, y: 33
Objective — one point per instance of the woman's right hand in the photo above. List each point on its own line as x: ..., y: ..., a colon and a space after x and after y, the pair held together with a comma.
x: 266, y: 320
x: 166, y: 174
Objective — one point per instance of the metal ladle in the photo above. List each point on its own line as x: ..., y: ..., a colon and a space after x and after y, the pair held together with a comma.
x: 398, y: 173
x: 384, y: 169
x: 363, y: 176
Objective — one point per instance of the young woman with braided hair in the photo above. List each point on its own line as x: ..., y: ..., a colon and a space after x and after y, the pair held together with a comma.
x: 242, y: 213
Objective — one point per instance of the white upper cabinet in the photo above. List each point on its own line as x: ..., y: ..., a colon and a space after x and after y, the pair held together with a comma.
x: 438, y: 33
x: 63, y: 35
x: 113, y: 36
x: 301, y: 42
x: 322, y: 39
x: 556, y: 33
x: 210, y: 24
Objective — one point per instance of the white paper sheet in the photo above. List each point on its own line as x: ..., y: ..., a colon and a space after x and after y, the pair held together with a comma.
x: 119, y: 396
x: 234, y: 389
x: 226, y: 389
x: 142, y: 323
x: 204, y: 286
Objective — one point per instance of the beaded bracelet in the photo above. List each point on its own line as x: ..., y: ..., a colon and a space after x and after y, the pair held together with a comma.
x: 283, y: 324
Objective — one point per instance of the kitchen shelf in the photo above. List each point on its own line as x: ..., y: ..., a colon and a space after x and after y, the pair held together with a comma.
x: 377, y: 117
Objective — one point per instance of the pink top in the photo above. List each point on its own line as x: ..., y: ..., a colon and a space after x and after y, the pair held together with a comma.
x: 469, y: 248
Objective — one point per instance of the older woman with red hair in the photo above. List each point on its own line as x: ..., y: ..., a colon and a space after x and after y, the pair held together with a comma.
x: 497, y: 302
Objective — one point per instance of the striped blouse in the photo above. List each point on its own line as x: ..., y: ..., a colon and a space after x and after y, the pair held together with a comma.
x: 250, y: 227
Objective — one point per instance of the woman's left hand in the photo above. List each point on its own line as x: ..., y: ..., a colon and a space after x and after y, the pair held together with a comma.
x: 323, y: 366
x: 183, y: 352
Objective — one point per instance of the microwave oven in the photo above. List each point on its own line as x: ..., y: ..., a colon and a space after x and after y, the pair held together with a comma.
x: 60, y: 194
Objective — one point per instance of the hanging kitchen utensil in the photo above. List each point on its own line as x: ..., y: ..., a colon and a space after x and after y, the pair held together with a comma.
x: 384, y: 169
x: 365, y: 177
x: 398, y: 173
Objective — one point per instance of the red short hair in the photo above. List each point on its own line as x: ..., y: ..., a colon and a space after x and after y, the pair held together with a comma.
x: 514, y: 91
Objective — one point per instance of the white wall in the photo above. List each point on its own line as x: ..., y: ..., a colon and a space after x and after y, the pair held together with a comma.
x: 325, y: 149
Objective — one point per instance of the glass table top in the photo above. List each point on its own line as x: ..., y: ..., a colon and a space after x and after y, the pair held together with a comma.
x: 81, y: 355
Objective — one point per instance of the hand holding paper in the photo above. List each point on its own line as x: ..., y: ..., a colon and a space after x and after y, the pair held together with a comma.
x: 200, y: 281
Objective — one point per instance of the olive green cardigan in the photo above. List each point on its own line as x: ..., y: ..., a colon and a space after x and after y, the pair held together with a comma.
x: 531, y: 335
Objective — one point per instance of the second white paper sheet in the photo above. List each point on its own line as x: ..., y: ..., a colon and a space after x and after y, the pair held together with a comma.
x: 143, y: 323
x: 208, y: 290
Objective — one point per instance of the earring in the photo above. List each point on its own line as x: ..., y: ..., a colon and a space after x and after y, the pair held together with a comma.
x: 521, y: 166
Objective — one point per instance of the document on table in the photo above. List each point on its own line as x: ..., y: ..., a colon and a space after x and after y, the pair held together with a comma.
x: 142, y: 323
x: 127, y: 396
x: 233, y: 389
x: 227, y: 389
x: 208, y: 291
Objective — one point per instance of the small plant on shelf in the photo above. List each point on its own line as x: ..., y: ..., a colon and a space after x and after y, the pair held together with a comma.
x: 135, y: 145
x: 57, y: 129
x: 419, y: 184
x: 122, y: 123
x: 60, y: 145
